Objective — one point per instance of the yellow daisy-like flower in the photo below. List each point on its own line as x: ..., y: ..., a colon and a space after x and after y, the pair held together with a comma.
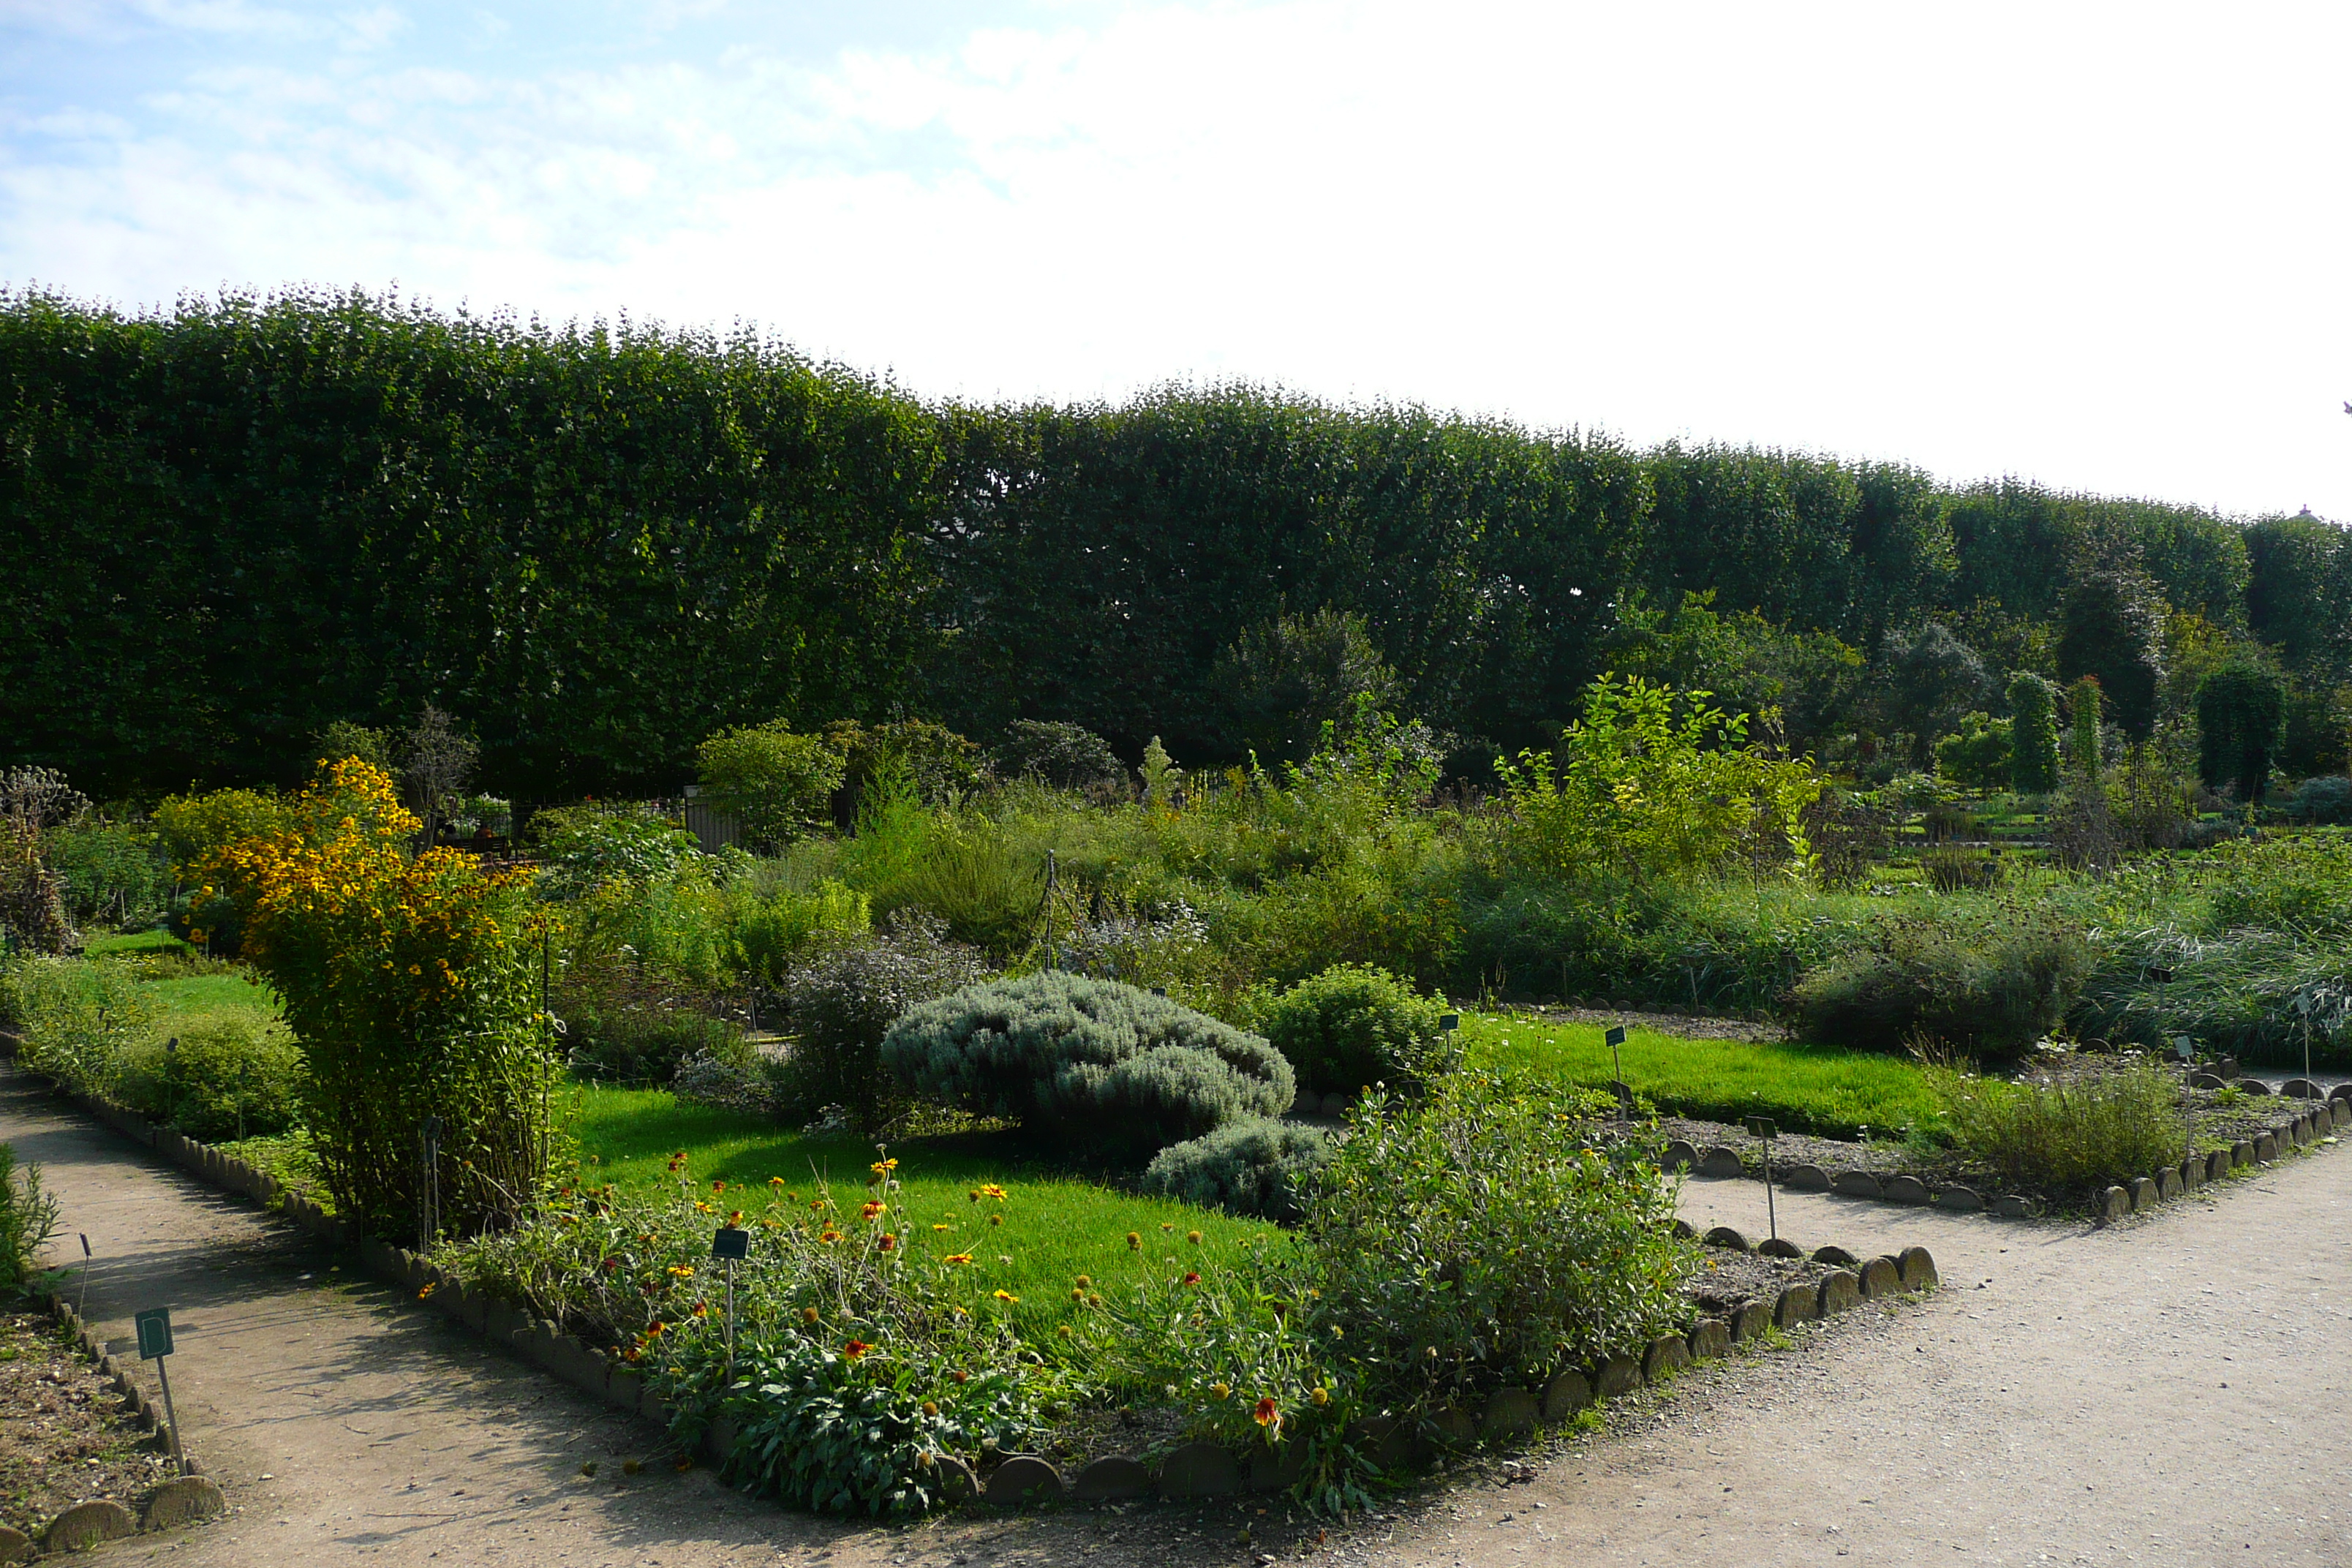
x: 1006, y: 1296
x: 958, y: 1257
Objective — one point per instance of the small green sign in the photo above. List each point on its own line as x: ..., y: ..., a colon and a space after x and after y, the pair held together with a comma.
x: 1450, y: 1022
x: 732, y: 1241
x: 1762, y: 1127
x: 154, y: 1328
x: 1615, y: 1036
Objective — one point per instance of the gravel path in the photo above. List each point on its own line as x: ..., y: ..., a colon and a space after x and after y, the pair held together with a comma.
x: 2170, y: 1390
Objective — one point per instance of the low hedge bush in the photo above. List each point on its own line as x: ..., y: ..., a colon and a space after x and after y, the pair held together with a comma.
x: 1254, y: 1168
x: 223, y: 1080
x: 1351, y: 1026
x: 1089, y: 1063
x: 1985, y: 986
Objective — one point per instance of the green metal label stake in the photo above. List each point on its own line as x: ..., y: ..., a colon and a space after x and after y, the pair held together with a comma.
x: 154, y: 1330
x: 1763, y: 1127
x: 731, y: 1245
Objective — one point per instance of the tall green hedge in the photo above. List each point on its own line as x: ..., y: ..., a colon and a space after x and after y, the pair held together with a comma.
x: 231, y: 523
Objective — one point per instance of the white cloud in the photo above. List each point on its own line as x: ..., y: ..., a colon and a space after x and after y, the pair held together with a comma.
x: 2084, y: 244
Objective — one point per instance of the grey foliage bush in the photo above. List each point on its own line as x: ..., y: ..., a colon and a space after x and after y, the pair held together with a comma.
x: 1087, y: 1062
x: 1255, y: 1168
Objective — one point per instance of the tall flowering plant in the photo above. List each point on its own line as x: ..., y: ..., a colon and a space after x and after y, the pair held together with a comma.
x: 412, y: 986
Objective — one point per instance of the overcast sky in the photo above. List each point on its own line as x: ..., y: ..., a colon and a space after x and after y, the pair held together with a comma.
x: 2097, y: 246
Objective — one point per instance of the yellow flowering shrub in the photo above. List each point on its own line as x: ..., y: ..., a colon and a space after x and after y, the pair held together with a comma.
x: 411, y: 983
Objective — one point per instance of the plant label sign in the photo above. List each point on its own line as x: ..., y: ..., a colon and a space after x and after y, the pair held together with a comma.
x: 1762, y: 1127
x: 154, y: 1329
x: 1624, y: 1093
x: 2183, y: 1047
x: 1449, y: 1023
x: 1615, y: 1037
x: 2161, y: 972
x: 731, y: 1242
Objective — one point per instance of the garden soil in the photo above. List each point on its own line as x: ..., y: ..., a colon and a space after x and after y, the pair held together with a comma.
x: 2169, y: 1390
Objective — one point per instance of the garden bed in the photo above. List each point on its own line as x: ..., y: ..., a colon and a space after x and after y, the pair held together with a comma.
x: 66, y: 1435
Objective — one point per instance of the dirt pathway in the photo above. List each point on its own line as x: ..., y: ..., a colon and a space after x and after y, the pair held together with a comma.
x: 2062, y: 1400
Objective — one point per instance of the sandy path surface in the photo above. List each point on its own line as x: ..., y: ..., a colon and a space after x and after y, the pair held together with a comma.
x: 2171, y: 1390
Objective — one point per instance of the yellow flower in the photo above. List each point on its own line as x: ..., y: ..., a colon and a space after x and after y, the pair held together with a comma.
x: 1320, y: 1396
x: 683, y: 1271
x: 1220, y: 1389
x: 958, y: 1257
x: 1006, y: 1296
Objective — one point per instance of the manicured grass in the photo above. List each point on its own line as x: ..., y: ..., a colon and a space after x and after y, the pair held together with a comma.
x: 116, y: 946
x: 209, y: 998
x: 1806, y: 1089
x: 1056, y: 1225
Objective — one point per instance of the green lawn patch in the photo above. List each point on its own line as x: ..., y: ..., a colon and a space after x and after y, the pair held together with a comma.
x: 121, y: 944
x: 1056, y: 1226
x: 1806, y: 1089
x: 209, y: 998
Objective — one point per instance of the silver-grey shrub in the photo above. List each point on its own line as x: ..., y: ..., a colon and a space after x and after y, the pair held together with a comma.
x: 1087, y: 1062
x: 1254, y: 1168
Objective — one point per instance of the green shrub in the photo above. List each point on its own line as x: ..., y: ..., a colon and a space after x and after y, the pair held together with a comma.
x: 2083, y: 1125
x: 978, y: 883
x: 1988, y: 981
x: 1352, y: 1026
x: 2033, y: 738
x: 77, y: 1017
x: 2301, y: 884
x: 1255, y: 1167
x: 779, y: 786
x: 584, y: 847
x: 223, y: 1080
x: 1087, y: 1062
x: 1952, y: 869
x: 1484, y: 1236
x: 28, y: 1217
x: 1977, y: 756
x: 1063, y: 756
x: 841, y: 1005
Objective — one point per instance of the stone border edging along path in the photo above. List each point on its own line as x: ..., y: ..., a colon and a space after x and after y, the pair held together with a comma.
x: 2306, y: 1128
x: 1192, y: 1470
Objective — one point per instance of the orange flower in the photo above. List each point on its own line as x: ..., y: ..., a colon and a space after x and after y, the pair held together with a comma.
x: 870, y: 1211
x: 958, y: 1257
x: 1267, y: 1414
x: 828, y: 1236
x: 889, y: 1242
x: 1192, y: 1279
x: 856, y: 1349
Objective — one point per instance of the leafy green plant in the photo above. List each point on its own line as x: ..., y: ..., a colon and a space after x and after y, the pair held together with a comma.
x: 113, y: 872
x: 29, y: 1218
x: 2064, y: 1128
x: 1089, y: 1063
x: 1354, y: 1024
x: 216, y: 1081
x: 1978, y: 755
x: 1255, y: 1167
x: 1062, y: 755
x: 583, y: 846
x: 1652, y: 783
x: 779, y: 785
x: 77, y: 1018
x: 1484, y: 1235
x: 2241, y: 709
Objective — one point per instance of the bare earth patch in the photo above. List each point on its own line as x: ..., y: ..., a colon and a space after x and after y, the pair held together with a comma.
x: 64, y: 1435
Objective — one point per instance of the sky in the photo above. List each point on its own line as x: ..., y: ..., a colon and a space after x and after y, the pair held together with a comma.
x: 2098, y: 246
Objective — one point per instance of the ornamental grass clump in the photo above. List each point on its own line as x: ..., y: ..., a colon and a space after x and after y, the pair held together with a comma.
x: 869, y: 1345
x: 1087, y: 1063
x: 2066, y: 1124
x: 412, y: 987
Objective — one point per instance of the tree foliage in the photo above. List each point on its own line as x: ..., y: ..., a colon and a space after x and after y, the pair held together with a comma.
x: 2239, y: 709
x: 2033, y: 733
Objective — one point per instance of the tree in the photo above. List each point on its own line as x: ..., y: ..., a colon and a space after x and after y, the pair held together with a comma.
x: 1284, y: 681
x: 1928, y: 679
x: 778, y: 785
x: 2033, y: 733
x: 2115, y: 634
x: 1064, y: 756
x: 435, y: 762
x: 2240, y: 710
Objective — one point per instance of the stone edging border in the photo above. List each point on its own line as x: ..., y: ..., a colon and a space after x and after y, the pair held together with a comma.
x: 2323, y: 1118
x: 186, y: 1498
x: 1196, y: 1470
